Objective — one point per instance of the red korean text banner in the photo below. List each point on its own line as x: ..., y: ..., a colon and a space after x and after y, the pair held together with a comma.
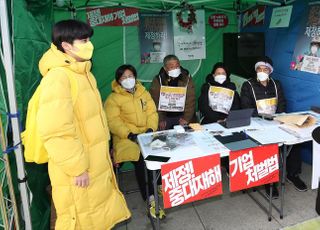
x: 218, y: 20
x: 253, y: 167
x: 191, y: 180
x: 112, y: 16
x: 254, y: 17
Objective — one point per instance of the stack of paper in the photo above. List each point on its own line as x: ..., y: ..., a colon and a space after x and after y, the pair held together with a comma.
x: 297, y: 131
x: 300, y: 120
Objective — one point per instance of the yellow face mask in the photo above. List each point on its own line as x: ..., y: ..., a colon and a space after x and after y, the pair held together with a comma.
x: 85, y: 50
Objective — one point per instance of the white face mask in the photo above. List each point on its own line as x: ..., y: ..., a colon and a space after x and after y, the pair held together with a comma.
x: 220, y: 78
x: 262, y: 76
x: 157, y: 47
x: 174, y: 73
x: 314, y: 49
x: 128, y: 83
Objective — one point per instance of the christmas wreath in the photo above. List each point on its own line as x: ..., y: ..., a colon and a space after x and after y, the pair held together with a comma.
x: 191, y: 17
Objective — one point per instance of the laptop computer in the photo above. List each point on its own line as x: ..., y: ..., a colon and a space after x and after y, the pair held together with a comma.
x: 238, y: 118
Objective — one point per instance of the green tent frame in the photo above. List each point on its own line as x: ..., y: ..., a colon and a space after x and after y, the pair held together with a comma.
x: 30, y: 42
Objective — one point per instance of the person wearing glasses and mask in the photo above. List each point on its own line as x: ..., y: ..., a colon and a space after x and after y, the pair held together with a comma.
x: 265, y: 95
x: 218, y: 95
x: 131, y: 111
x: 173, y: 92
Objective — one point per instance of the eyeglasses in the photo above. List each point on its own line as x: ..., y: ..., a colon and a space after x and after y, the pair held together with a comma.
x: 263, y: 69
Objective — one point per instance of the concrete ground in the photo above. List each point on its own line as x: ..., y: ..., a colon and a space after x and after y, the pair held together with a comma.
x: 230, y: 211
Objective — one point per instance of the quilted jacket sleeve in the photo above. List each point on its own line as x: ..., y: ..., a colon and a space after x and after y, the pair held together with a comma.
x: 152, y: 115
x: 281, y: 108
x: 116, y: 125
x: 56, y: 124
x: 247, y: 98
x: 190, y: 106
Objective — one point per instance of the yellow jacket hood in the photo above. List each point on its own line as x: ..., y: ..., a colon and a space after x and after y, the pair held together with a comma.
x: 54, y: 58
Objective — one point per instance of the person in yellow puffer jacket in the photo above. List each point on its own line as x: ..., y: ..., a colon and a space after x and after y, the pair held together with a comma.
x: 130, y: 111
x: 76, y: 135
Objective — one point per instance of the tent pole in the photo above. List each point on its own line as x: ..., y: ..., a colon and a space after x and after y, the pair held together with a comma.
x: 124, y: 45
x: 202, y: 1
x: 290, y: 1
x: 270, y: 2
x: 171, y: 1
x: 8, y: 66
x: 114, y: 4
x: 219, y: 9
x: 314, y: 3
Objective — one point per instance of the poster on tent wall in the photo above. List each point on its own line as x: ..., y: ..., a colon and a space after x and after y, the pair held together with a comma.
x: 306, y: 56
x: 217, y: 21
x: 189, y: 44
x: 254, y: 17
x: 191, y: 180
x: 112, y: 16
x: 155, y: 37
x: 280, y: 17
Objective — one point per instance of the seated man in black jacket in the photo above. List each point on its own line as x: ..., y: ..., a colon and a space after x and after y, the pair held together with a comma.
x: 265, y: 95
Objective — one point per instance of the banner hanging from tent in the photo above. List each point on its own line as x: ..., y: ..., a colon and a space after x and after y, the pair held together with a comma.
x: 189, y: 42
x: 306, y: 55
x: 155, y: 37
x: 112, y: 16
x: 254, y: 17
x: 191, y: 180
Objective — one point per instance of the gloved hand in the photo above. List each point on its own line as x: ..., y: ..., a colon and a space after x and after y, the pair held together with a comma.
x: 149, y: 130
x: 132, y: 137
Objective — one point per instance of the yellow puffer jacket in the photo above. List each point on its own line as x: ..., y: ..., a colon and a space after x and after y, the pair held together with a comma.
x: 129, y: 113
x: 76, y: 138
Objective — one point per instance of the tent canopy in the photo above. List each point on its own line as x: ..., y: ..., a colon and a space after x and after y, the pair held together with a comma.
x: 166, y: 5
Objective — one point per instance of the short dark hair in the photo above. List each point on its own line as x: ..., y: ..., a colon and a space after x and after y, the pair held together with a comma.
x: 121, y: 69
x: 220, y: 65
x: 315, y: 44
x: 169, y: 58
x: 70, y: 30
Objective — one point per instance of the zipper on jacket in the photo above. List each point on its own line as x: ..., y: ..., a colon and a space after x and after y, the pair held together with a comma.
x: 141, y: 104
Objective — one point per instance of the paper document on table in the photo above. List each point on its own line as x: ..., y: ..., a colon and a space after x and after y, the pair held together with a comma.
x: 196, y: 126
x: 299, y: 132
x: 259, y: 123
x: 209, y: 144
x: 267, y: 136
x: 214, y: 127
x: 300, y: 120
